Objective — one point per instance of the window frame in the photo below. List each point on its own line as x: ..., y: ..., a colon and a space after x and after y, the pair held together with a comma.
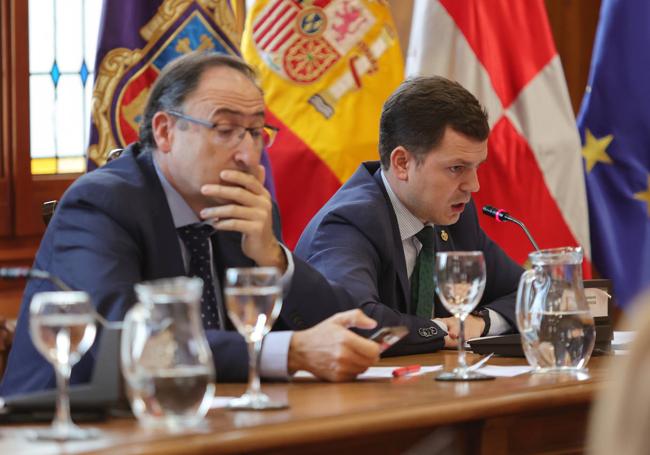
x: 22, y: 193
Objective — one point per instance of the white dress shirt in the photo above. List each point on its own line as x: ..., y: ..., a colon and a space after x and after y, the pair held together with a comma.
x: 409, y: 225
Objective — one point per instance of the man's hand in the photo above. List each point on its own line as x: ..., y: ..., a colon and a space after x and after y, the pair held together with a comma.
x: 474, y: 326
x: 250, y: 212
x: 332, y: 352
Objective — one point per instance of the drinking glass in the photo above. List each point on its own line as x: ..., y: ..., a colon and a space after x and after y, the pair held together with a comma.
x: 62, y: 328
x: 460, y: 282
x: 253, y: 302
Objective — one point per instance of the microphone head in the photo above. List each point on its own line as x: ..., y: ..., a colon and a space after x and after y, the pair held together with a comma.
x: 493, y: 212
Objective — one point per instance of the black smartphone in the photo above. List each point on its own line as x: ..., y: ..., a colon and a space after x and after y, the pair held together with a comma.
x: 388, y: 336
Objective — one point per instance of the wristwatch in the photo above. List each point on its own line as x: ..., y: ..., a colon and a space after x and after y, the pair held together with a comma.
x: 485, y: 314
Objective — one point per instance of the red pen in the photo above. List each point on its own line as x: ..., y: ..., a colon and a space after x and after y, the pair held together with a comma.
x: 403, y: 371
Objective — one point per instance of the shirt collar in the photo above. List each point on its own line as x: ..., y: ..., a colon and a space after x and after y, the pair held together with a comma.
x: 408, y: 224
x: 182, y: 214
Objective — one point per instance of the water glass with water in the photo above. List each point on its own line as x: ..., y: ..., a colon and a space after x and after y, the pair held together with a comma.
x: 253, y: 302
x: 460, y: 282
x: 62, y: 328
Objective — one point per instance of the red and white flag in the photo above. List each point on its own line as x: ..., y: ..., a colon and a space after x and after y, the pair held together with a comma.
x: 503, y: 52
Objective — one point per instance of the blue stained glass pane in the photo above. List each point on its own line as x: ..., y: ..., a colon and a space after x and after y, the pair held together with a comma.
x: 83, y: 72
x: 55, y: 73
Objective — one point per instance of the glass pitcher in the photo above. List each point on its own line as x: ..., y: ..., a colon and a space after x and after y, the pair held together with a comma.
x: 166, y: 360
x: 556, y: 326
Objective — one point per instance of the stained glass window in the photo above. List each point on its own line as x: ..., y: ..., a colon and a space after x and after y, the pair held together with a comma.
x: 62, y: 45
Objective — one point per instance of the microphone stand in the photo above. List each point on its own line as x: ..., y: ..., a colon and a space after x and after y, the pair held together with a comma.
x: 502, y: 215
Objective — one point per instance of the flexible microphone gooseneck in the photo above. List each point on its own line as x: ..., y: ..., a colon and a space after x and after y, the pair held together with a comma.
x: 15, y: 273
x: 502, y: 215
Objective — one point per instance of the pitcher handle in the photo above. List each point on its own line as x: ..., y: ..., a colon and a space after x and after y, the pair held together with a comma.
x: 531, y: 284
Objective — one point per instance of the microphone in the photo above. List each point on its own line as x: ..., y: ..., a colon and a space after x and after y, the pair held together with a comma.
x: 502, y: 216
x: 14, y: 273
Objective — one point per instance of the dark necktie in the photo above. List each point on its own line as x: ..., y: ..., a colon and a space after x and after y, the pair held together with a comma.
x: 196, y: 238
x: 422, y: 287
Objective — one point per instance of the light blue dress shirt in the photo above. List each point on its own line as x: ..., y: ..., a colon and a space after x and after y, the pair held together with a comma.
x: 275, y: 350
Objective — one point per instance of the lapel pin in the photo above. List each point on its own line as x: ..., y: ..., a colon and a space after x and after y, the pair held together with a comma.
x: 444, y: 236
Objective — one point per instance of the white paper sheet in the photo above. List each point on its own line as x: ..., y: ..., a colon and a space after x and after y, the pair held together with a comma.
x: 505, y: 371
x: 220, y: 402
x: 378, y: 372
x: 622, y: 339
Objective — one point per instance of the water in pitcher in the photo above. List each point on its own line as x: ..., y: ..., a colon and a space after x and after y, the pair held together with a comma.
x: 174, y: 397
x: 557, y: 329
x: 561, y: 340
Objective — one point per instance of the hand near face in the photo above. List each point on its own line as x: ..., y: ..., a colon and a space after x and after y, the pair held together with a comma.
x: 248, y: 210
x: 332, y: 352
x: 474, y: 326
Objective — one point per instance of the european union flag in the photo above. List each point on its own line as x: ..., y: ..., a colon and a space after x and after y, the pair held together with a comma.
x: 614, y: 123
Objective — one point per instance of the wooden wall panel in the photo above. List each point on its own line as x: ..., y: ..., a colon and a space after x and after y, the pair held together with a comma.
x: 574, y: 27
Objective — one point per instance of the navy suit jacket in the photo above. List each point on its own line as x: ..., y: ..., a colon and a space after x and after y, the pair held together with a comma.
x: 354, y: 241
x: 112, y: 229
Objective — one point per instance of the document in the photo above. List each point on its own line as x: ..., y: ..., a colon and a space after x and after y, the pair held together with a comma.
x: 505, y: 371
x: 622, y: 339
x: 378, y: 372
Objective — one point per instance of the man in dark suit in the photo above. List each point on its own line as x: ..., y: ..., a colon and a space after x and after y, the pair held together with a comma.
x: 376, y: 236
x: 196, y: 167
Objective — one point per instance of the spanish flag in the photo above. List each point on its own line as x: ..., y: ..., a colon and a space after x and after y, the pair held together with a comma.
x: 326, y: 67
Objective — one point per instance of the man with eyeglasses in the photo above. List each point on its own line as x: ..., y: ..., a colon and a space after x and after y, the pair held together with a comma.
x: 191, y: 191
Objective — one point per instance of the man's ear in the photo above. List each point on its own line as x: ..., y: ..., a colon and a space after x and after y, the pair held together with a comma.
x: 400, y: 162
x: 163, y: 131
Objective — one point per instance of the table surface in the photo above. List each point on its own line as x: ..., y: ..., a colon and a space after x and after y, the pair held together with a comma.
x: 320, y: 411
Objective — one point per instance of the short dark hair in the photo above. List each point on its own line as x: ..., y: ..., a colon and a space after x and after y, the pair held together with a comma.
x: 416, y: 115
x: 178, y: 79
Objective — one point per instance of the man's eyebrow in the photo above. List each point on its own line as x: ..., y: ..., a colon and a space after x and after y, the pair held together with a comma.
x: 229, y: 111
x: 462, y: 162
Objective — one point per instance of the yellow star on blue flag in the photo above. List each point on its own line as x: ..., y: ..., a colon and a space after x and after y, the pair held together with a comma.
x: 595, y: 149
x: 614, y: 125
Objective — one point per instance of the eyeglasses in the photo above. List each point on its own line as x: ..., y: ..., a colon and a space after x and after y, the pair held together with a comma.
x: 230, y: 135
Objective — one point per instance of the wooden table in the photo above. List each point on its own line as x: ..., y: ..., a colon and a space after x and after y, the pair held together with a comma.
x: 524, y: 414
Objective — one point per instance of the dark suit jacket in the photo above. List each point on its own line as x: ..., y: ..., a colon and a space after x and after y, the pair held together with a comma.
x: 112, y: 229
x: 354, y: 241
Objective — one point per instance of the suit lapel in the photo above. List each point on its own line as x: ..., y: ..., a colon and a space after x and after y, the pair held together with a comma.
x: 169, y: 259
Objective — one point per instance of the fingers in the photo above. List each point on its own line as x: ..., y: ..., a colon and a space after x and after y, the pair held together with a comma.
x: 351, y: 357
x: 354, y: 318
x: 332, y: 352
x: 253, y: 182
x: 233, y: 211
x: 451, y: 342
x: 238, y: 195
x: 260, y: 174
x: 453, y: 327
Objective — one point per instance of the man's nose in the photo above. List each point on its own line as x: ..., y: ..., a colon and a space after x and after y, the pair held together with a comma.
x: 247, y: 153
x: 471, y: 184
